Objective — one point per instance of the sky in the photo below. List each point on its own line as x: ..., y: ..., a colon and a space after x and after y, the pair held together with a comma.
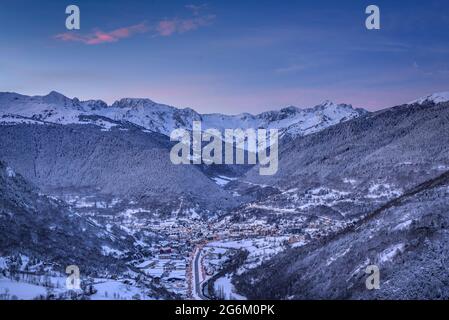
x: 227, y: 56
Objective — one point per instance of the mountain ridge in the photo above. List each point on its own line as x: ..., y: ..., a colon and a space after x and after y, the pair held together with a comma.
x: 57, y: 108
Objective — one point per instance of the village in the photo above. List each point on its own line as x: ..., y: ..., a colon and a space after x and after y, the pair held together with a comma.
x: 167, y: 248
x: 169, y: 257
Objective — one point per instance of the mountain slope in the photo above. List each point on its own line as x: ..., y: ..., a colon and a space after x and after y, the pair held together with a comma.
x: 38, y: 226
x: 359, y: 164
x: 125, y: 162
x: 433, y: 98
x: 407, y: 239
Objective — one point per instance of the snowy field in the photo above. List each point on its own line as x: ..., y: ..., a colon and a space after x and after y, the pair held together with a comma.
x: 225, y: 289
x: 106, y: 289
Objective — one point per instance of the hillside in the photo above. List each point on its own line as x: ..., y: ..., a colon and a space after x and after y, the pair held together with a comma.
x: 407, y: 239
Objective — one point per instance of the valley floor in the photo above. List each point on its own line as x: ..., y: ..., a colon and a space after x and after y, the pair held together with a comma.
x: 179, y: 254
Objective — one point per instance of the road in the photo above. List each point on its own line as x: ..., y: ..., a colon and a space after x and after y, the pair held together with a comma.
x: 197, y: 285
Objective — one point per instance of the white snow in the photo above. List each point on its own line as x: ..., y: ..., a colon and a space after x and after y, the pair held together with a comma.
x: 317, y: 197
x: 381, y: 190
x: 350, y: 181
x: 222, y: 180
x: 22, y: 290
x: 152, y: 116
x: 116, y: 290
x: 10, y: 172
x: 193, y: 214
x: 391, y: 252
x: 107, y: 251
x: 2, y: 262
x: 358, y: 269
x: 403, y: 225
x: 436, y: 98
x: 337, y: 256
x: 225, y: 286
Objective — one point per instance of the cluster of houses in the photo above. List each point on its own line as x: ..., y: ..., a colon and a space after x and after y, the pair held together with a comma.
x: 167, y: 257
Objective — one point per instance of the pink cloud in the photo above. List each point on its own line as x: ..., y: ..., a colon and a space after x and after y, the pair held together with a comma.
x: 165, y: 28
x: 99, y: 36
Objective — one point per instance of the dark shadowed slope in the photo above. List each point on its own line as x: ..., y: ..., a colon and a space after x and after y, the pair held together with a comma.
x: 408, y: 239
x: 44, y: 228
x: 125, y: 162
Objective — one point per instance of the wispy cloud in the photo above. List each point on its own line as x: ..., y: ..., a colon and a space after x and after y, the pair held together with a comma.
x: 196, y: 9
x: 165, y: 27
x: 169, y: 27
x: 98, y: 36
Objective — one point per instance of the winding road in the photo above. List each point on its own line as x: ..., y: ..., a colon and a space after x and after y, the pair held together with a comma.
x: 197, y: 283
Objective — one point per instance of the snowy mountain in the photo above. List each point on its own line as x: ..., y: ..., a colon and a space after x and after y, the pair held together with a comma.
x: 37, y: 225
x: 407, y: 238
x: 291, y: 120
x: 56, y: 108
x: 371, y: 191
x: 53, y: 107
x: 369, y: 159
x: 55, y: 157
x: 433, y: 98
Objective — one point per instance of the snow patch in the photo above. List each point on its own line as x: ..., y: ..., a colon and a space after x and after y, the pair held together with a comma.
x: 10, y: 172
x: 337, y: 256
x: 225, y: 289
x: 222, y: 180
x: 382, y: 190
x: 391, y: 252
x: 108, y: 251
x: 435, y: 98
x: 403, y: 225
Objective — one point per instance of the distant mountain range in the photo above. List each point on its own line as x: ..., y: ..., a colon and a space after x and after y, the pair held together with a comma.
x: 160, y: 118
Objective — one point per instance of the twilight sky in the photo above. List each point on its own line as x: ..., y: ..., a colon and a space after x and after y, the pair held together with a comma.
x: 227, y: 56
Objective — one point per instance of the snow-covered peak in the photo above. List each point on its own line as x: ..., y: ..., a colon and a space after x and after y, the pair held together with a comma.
x: 133, y: 103
x: 55, y: 97
x: 328, y: 113
x: 92, y: 105
x: 57, y: 108
x: 435, y: 98
x: 326, y: 104
x: 53, y: 107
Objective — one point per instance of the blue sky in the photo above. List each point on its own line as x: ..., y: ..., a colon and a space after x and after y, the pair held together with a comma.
x: 227, y: 56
